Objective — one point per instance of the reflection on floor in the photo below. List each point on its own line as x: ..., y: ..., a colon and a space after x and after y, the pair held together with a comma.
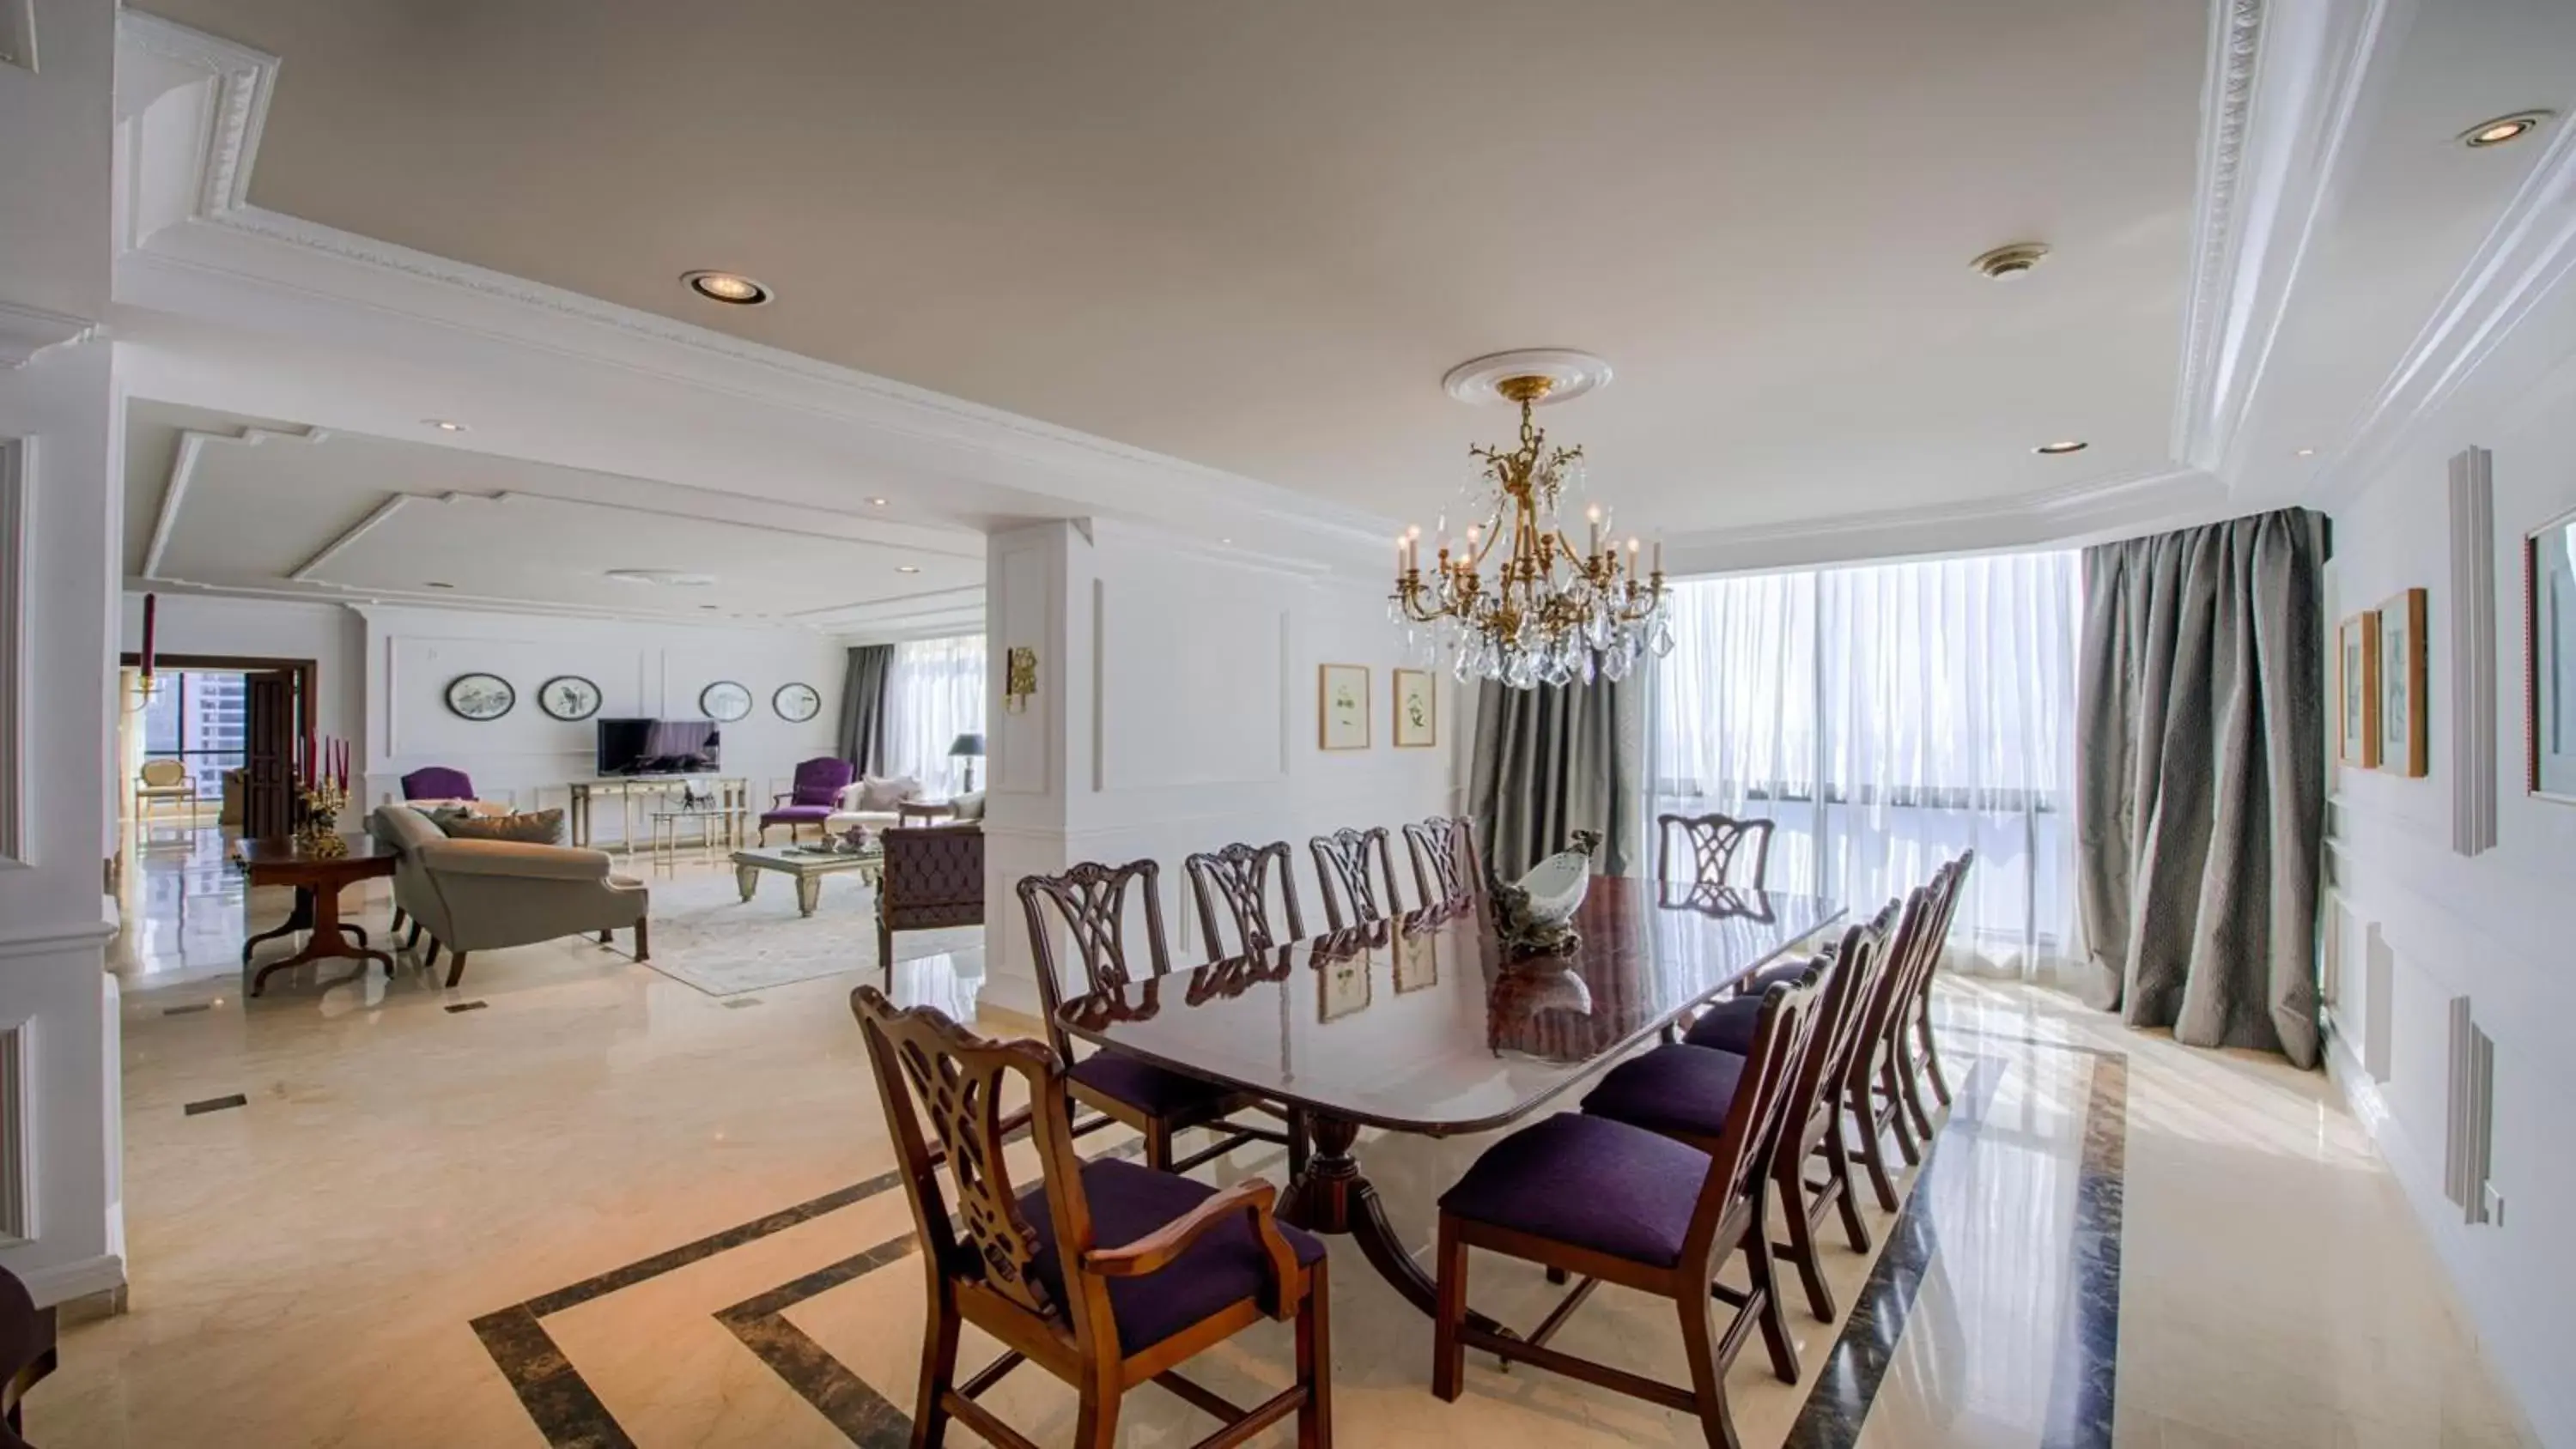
x: 608, y: 1209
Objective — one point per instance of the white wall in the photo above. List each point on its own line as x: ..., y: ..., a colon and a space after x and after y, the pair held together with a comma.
x: 2496, y: 927
x: 331, y: 635
x: 643, y: 671
x: 1176, y: 712
x: 61, y: 423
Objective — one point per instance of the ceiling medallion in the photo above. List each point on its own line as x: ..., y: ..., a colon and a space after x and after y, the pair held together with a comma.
x: 1546, y: 612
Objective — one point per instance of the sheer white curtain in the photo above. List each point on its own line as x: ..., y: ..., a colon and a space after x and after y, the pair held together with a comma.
x: 934, y: 693
x: 1888, y: 718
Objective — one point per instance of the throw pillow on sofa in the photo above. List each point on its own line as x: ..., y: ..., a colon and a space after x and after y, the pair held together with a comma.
x: 534, y: 827
x: 969, y: 806
x: 880, y: 794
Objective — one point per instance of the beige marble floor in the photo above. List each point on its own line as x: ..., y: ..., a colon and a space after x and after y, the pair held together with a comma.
x: 307, y: 1268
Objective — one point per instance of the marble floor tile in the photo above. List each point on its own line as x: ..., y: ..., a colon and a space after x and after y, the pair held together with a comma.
x: 607, y: 1209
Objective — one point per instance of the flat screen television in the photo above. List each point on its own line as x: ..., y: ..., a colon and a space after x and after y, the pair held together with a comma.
x: 659, y: 746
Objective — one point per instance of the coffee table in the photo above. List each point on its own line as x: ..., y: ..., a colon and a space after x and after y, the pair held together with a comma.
x: 318, y: 881
x: 807, y: 867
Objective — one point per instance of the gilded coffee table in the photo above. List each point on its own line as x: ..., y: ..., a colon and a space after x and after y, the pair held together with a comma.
x: 807, y: 867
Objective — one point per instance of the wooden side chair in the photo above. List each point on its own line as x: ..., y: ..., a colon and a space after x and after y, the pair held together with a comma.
x: 1445, y: 867
x: 1091, y: 900
x: 1241, y: 876
x: 1917, y: 1014
x: 1724, y: 850
x: 1610, y: 1201
x: 1351, y: 896
x: 1814, y: 1133
x: 1873, y: 1091
x: 1106, y: 1274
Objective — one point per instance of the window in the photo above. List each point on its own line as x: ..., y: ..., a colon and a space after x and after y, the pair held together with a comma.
x: 1888, y: 718
x: 196, y: 717
x: 934, y: 693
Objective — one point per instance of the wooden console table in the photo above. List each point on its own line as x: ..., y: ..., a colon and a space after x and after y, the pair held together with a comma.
x: 318, y: 881
x: 732, y: 796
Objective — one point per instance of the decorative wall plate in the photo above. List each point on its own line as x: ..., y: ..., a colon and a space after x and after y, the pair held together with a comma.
x: 480, y: 696
x: 568, y: 697
x: 724, y: 701
x: 796, y: 703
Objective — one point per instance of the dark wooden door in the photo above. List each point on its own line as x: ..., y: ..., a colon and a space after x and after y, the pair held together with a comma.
x: 268, y: 753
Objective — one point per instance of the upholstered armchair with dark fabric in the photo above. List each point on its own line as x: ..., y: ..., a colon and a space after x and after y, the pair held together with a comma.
x: 437, y: 782
x: 816, y: 795
x: 933, y: 876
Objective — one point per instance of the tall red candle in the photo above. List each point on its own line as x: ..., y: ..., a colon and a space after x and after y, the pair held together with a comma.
x: 151, y: 609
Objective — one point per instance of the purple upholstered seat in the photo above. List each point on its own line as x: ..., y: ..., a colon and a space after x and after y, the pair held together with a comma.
x: 1590, y: 1182
x: 437, y: 782
x: 816, y: 795
x: 1727, y: 1026
x: 1677, y: 1089
x: 1224, y: 1267
x: 1145, y: 1086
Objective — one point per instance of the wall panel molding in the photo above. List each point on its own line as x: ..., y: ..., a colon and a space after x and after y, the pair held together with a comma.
x: 2472, y: 664
x: 16, y: 469
x: 17, y: 1119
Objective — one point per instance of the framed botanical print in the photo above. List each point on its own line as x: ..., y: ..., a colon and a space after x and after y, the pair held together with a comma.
x: 1342, y: 706
x: 1417, y: 709
x: 2549, y: 658
x: 2401, y: 685
x: 2357, y: 690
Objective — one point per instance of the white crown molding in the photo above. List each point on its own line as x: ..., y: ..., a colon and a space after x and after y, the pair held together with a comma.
x: 26, y: 331
x: 2287, y: 84
x: 2524, y: 257
x: 193, y: 443
x: 243, y: 80
x: 2065, y: 512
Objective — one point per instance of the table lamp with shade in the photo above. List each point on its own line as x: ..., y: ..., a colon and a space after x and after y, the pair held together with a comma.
x: 970, y: 748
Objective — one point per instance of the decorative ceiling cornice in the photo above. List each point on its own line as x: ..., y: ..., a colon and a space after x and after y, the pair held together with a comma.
x: 26, y: 331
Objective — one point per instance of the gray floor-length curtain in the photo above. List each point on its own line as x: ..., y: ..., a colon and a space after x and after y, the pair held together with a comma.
x: 863, y: 707
x: 2200, y: 780
x: 1551, y: 761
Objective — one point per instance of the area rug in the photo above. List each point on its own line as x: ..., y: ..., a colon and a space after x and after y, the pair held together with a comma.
x: 706, y: 934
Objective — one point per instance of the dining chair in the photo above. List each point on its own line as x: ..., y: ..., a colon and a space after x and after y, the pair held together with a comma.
x: 1342, y: 861
x: 1445, y: 867
x: 1873, y: 1091
x: 1241, y: 876
x: 1614, y: 1202
x: 1092, y: 902
x: 1916, y: 1017
x: 1717, y: 844
x: 1814, y: 1131
x: 161, y: 780
x: 1106, y: 1274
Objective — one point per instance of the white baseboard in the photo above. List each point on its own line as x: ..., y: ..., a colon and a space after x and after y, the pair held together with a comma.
x: 77, y: 1279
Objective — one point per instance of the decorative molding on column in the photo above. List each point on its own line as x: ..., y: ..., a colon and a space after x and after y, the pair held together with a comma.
x: 26, y: 331
x: 2473, y: 652
x: 16, y: 468
x: 17, y: 1166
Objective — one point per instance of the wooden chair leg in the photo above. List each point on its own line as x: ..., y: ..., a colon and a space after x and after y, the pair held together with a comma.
x: 938, y: 1370
x: 1895, y: 1119
x: 1771, y: 1312
x: 430, y: 961
x: 455, y: 968
x: 885, y: 953
x: 1315, y: 1362
x: 1837, y: 1155
x: 603, y: 935
x: 1791, y: 1180
x: 1932, y: 1050
x: 1909, y: 1075
x: 1158, y: 1145
x: 1873, y: 1153
x: 414, y: 938
x: 1095, y: 1424
x: 1708, y: 1376
x: 400, y: 919
x: 643, y: 939
x: 1448, y: 1355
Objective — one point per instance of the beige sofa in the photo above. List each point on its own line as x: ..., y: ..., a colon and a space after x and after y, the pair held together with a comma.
x: 872, y: 802
x: 473, y: 895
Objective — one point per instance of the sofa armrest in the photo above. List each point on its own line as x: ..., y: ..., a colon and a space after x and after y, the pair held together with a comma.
x: 514, y: 858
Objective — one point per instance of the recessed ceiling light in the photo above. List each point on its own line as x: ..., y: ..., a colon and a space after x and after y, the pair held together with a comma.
x: 664, y: 578
x: 731, y: 288
x: 1225, y: 540
x: 2007, y: 263
x: 710, y: 606
x: 2307, y: 452
x: 906, y: 569
x: 876, y: 503
x: 435, y: 584
x: 444, y: 425
x: 2503, y: 129
x: 2068, y: 446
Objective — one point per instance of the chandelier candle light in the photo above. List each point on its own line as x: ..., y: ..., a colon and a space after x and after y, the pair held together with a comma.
x: 1547, y: 612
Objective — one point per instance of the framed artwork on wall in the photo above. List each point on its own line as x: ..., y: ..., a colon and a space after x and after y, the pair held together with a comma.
x: 2401, y: 686
x: 568, y: 697
x: 1342, y: 706
x: 480, y: 697
x: 2549, y: 659
x: 796, y: 703
x: 2357, y: 690
x: 1417, y: 710
x: 724, y: 701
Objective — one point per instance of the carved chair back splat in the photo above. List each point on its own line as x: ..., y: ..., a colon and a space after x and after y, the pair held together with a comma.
x: 1091, y: 900
x: 1718, y: 846
x: 1352, y: 896
x: 1241, y: 876
x: 1445, y: 867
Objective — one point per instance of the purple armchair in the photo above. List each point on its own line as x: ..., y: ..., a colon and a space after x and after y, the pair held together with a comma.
x: 437, y: 782
x: 819, y: 784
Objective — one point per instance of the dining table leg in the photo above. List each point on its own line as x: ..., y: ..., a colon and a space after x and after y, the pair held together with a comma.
x: 1333, y: 1197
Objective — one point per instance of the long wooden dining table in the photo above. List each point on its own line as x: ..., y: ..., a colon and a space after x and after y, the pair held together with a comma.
x: 1420, y: 1025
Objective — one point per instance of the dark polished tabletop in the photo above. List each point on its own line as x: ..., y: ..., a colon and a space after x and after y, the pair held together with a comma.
x: 360, y: 851
x: 1417, y: 1024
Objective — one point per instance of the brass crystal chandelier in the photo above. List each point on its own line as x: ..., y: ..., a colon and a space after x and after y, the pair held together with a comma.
x: 1546, y: 612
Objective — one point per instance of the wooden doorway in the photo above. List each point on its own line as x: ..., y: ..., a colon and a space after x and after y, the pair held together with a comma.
x: 278, y: 712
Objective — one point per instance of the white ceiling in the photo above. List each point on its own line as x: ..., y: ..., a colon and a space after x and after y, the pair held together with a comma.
x: 258, y: 504
x: 1254, y: 237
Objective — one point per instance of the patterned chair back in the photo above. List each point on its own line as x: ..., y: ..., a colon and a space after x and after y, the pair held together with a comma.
x: 1091, y: 900
x: 1718, y: 849
x: 437, y: 782
x: 1241, y: 876
x: 1352, y: 897
x: 1444, y: 858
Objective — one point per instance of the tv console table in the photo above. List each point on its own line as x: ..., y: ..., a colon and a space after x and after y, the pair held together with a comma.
x: 731, y: 803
